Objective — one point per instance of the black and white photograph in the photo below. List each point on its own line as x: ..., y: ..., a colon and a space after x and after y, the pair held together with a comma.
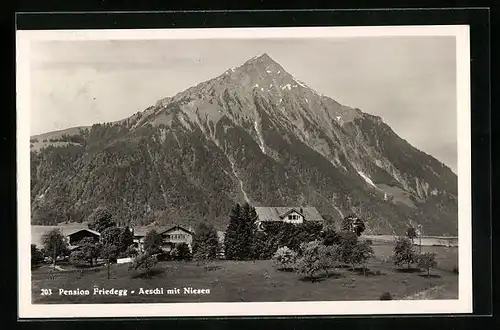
x: 250, y: 171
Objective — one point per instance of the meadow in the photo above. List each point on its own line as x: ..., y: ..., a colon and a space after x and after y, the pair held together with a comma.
x: 252, y: 281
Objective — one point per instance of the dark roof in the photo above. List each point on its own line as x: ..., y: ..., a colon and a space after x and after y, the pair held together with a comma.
x: 277, y: 213
x: 84, y: 229
x: 142, y: 231
x: 177, y: 227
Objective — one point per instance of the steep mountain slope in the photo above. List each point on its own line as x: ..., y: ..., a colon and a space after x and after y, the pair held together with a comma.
x: 254, y: 134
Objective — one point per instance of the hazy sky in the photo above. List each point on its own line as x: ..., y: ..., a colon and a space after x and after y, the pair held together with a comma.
x: 409, y: 81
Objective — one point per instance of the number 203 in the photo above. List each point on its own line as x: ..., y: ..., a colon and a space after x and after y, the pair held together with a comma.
x: 46, y: 292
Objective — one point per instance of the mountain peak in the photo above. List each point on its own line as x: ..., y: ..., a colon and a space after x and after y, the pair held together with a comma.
x: 262, y: 59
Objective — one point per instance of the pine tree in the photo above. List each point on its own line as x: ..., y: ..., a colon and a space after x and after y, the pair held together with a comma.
x: 239, y: 239
x: 248, y: 229
x: 205, y: 242
x: 231, y: 245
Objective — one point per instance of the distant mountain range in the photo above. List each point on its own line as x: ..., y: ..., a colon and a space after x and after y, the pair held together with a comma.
x: 256, y: 134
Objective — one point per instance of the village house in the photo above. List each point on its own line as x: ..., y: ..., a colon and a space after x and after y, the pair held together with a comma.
x: 76, y: 236
x: 170, y: 236
x: 295, y: 215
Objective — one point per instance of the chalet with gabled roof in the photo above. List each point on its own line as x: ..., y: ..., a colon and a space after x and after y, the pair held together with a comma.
x: 74, y: 237
x: 291, y: 214
x: 170, y: 236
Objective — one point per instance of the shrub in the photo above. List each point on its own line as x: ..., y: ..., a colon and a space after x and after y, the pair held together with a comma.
x: 165, y: 256
x: 308, y: 264
x: 328, y: 257
x: 88, y: 252
x: 263, y: 246
x: 36, y: 255
x: 411, y: 233
x: 131, y: 251
x: 347, y: 243
x: 277, y: 234
x: 330, y: 237
x: 403, y: 252
x: 284, y: 258
x: 314, y: 257
x: 144, y: 263
x: 361, y: 253
x: 181, y: 251
x: 386, y: 296
x: 427, y: 261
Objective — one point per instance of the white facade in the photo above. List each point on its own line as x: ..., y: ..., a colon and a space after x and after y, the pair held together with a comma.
x: 177, y: 236
x: 293, y: 217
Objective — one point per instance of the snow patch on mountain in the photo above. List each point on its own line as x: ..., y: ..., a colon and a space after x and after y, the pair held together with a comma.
x: 185, y: 123
x: 300, y: 83
x: 367, y: 179
x: 233, y: 168
x: 259, y: 135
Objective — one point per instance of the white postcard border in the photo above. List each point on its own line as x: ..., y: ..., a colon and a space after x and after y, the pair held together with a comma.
x: 461, y: 305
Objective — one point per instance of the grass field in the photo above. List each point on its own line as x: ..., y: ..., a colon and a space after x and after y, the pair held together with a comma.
x: 248, y: 281
x: 446, y: 257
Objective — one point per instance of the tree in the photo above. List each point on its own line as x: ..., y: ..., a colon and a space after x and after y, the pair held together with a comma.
x: 101, y: 219
x: 359, y: 226
x: 386, y: 296
x: 346, y: 224
x: 110, y: 249
x: 112, y: 236
x: 362, y: 252
x: 411, y: 233
x: 181, y: 251
x: 403, y: 252
x: 309, y: 262
x: 144, y: 263
x: 328, y: 257
x: 126, y: 239
x: 36, y: 255
x: 262, y: 247
x: 205, y: 242
x: 353, y: 223
x: 347, y: 243
x: 54, y: 244
x: 330, y: 237
x: 240, y: 233
x: 131, y: 251
x: 88, y: 251
x: 427, y: 261
x: 284, y: 258
x: 153, y: 242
